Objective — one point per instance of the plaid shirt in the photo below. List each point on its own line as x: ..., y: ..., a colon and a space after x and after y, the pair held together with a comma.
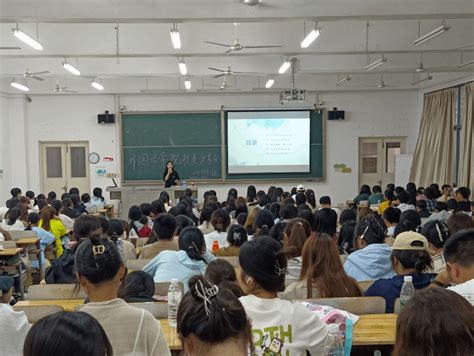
x: 430, y: 204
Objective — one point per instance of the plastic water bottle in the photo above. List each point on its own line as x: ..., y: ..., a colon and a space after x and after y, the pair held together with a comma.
x: 407, y: 292
x: 174, y: 298
x: 334, y: 345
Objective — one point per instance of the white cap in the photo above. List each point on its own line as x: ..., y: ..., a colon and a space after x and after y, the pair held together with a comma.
x: 300, y: 188
x: 408, y: 279
x: 174, y: 281
x: 333, y: 328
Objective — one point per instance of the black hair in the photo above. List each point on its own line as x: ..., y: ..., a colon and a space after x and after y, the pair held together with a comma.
x: 411, y: 187
x: 85, y: 198
x: 263, y: 223
x: 67, y: 208
x: 97, y: 259
x: 289, y: 200
x: 365, y: 189
x: 452, y: 204
x: 264, y: 200
x: 436, y: 232
x: 420, y: 190
x: 421, y: 204
x: 285, y: 195
x: 251, y: 193
x: 212, y: 192
x: 182, y: 222
x: 288, y: 211
x: 264, y: 259
x: 33, y: 218
x: 325, y: 220
x: 15, y: 192
x: 460, y: 248
x: 157, y: 207
x: 325, y: 200
x: 390, y: 195
x: 403, y: 197
x: 241, y: 218
x: 277, y: 231
x: 392, y: 215
x: 30, y: 194
x: 76, y: 199
x: 65, y: 195
x: 12, y: 215
x: 41, y: 204
x: 136, y: 284
x: 275, y: 210
x: 420, y: 260
x: 220, y: 220
x: 104, y: 223
x: 51, y: 196
x: 402, y: 226
x: 57, y: 205
x: 164, y: 197
x: 164, y: 226
x: 206, y: 213
x: 465, y: 192
x: 236, y: 235
x: 220, y: 270
x: 97, y: 192
x: 146, y: 209
x: 307, y: 214
x: 293, y: 191
x: 134, y: 213
x: 220, y: 318
x: 346, y: 237
x: 300, y: 198
x: 430, y: 193
x: 85, y: 225
x: 391, y: 186
x: 310, y: 198
x: 67, y: 333
x: 73, y: 191
x: 115, y: 229
x: 399, y: 189
x: 411, y: 215
x: 232, y: 192
x: 241, y: 208
x: 377, y: 189
x: 348, y: 215
x: 38, y: 197
x: 191, y: 241
x: 165, y: 171
x: 371, y: 230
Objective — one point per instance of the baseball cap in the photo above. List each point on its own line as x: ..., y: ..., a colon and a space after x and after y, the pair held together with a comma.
x: 405, y: 240
x: 300, y: 188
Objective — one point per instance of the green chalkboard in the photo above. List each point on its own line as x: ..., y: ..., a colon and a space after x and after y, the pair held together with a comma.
x: 191, y: 140
x: 316, y: 155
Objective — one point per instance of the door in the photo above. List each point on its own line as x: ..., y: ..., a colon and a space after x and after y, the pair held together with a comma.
x: 377, y: 159
x: 63, y: 166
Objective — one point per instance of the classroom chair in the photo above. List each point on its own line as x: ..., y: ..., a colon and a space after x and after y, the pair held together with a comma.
x: 354, y: 305
x: 136, y: 265
x: 37, y: 312
x: 364, y: 285
x: 233, y: 260
x: 161, y: 288
x: 158, y: 309
x: 54, y: 292
x: 16, y: 235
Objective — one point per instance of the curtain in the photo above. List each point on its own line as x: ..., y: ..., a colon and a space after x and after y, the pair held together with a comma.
x: 432, y: 161
x: 466, y: 160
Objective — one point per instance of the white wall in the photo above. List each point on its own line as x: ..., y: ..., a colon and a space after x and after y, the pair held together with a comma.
x: 74, y: 118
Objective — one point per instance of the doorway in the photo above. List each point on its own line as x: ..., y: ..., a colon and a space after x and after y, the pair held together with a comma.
x: 377, y: 159
x: 63, y: 166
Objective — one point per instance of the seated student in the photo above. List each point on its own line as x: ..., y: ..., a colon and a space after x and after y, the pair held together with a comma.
x: 435, y: 322
x: 67, y: 333
x: 16, y: 194
x: 78, y: 206
x: 222, y: 273
x: 325, y: 202
x: 410, y: 257
x: 236, y: 237
x: 100, y: 271
x: 46, y: 239
x: 115, y: 231
x: 391, y: 217
x: 251, y: 216
x: 430, y: 194
x: 68, y: 208
x: 263, y: 223
x: 12, y: 222
x: 205, y: 219
x: 307, y: 214
x: 146, y: 211
x: 345, y: 239
x: 275, y: 210
x: 459, y: 221
x: 452, y: 205
x: 14, y: 327
x: 300, y: 198
x: 49, y: 221
x: 157, y: 208
x: 139, y: 229
x: 364, y: 194
x: 458, y: 254
x: 263, y: 266
x: 402, y: 202
x: 447, y: 193
x: 377, y: 196
x: 36, y: 208
x: 62, y: 269
x: 437, y: 233
x: 74, y: 190
x: 23, y: 206
x: 371, y: 260
x: 137, y: 287
x: 182, y: 222
x: 412, y: 216
x: 276, y: 232
x: 322, y: 274
x: 347, y: 215
x: 68, y: 223
x: 162, y: 239
x: 288, y: 211
x: 6, y: 287
x: 192, y: 258
x: 86, y: 202
x: 241, y: 219
x: 211, y: 321
x: 325, y: 221
x: 220, y: 221
x: 97, y: 198
x: 462, y: 196
x: 296, y: 232
x: 51, y: 196
x: 422, y: 210
x: 310, y: 199
x: 389, y: 197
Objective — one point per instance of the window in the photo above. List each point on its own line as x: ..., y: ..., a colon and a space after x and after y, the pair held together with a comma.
x: 54, y: 166
x: 369, y: 157
x: 391, y: 149
x: 78, y: 162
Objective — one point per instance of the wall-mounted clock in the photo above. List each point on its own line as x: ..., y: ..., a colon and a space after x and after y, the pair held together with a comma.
x: 94, y: 158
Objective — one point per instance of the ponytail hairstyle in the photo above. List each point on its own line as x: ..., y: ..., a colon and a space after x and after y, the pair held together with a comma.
x: 97, y: 259
x: 213, y: 315
x: 12, y: 215
x: 97, y: 192
x: 33, y: 219
x: 191, y: 241
x: 436, y: 232
x: 420, y: 260
x: 263, y: 223
x: 236, y: 235
x: 371, y: 230
x: 220, y: 220
x: 115, y: 230
x: 296, y: 233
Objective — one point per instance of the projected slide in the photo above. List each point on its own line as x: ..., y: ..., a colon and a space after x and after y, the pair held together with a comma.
x: 268, y: 142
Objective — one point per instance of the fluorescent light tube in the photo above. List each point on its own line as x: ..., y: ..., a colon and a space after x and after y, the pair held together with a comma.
x: 70, y: 68
x: 310, y: 37
x: 19, y: 86
x: 175, y: 39
x: 465, y: 65
x: 182, y: 68
x: 269, y: 83
x: 187, y: 84
x: 97, y: 85
x: 30, y: 41
x: 429, y: 77
x: 343, y: 81
x: 284, y: 67
x: 376, y: 64
x: 430, y: 35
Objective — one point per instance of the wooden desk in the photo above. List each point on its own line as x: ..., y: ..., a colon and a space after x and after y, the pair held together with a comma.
x: 27, y: 243
x: 375, y: 329
x: 67, y: 304
x: 11, y: 252
x: 170, y: 335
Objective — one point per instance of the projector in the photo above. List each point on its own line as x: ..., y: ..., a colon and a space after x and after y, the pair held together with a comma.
x: 289, y: 96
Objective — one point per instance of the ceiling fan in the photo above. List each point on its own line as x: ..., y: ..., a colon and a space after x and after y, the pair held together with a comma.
x: 35, y: 75
x: 60, y: 89
x: 237, y: 46
x: 223, y: 86
x: 228, y: 71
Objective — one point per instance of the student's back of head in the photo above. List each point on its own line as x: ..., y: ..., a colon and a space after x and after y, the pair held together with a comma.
x: 164, y: 226
x: 263, y: 223
x: 412, y: 216
x: 300, y: 198
x: 86, y: 226
x: 115, y: 230
x: 220, y: 220
x: 191, y: 241
x: 458, y: 222
x: 346, y: 237
x: 157, y: 207
x: 146, y: 209
x: 220, y: 270
x: 296, y: 233
x: 325, y: 221
x: 182, y: 222
x: 86, y: 198
x: 458, y: 254
x: 348, y: 215
x: 288, y: 211
x: 411, y: 251
x: 436, y: 232
x: 307, y: 214
x: 137, y: 286
x: 236, y: 235
x: 392, y: 215
x: 369, y: 231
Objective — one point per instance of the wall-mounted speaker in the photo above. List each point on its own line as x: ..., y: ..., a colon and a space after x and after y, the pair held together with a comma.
x: 336, y: 114
x: 106, y: 118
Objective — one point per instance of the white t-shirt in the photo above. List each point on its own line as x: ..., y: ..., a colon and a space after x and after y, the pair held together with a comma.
x: 67, y: 222
x: 284, y: 327
x: 17, y: 225
x: 14, y: 327
x: 466, y: 290
x: 221, y: 238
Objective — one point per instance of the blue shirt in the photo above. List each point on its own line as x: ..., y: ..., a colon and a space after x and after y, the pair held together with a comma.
x: 370, y: 263
x: 390, y: 288
x: 46, y: 238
